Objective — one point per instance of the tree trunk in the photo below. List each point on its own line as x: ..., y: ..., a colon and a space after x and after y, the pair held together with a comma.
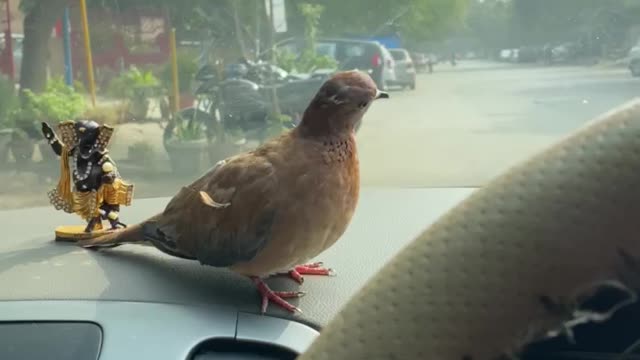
x: 238, y: 28
x: 38, y: 25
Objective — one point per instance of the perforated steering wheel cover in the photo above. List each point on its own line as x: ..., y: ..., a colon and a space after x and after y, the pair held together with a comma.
x: 469, y: 287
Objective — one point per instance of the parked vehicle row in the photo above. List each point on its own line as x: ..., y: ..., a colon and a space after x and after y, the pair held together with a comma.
x: 240, y: 100
x: 566, y: 52
x: 387, y: 67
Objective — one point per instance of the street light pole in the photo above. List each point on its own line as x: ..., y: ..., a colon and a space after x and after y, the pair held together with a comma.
x: 9, y: 42
x: 87, y: 50
x: 66, y: 32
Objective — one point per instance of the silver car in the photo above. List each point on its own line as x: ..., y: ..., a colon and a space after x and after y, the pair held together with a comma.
x: 404, y: 68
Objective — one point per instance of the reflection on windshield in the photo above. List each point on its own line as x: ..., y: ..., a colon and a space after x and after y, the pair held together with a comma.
x: 482, y: 83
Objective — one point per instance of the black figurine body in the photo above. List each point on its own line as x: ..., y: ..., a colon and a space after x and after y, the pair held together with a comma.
x: 89, y: 184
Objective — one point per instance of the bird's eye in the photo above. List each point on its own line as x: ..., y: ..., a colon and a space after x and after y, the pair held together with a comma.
x: 363, y: 105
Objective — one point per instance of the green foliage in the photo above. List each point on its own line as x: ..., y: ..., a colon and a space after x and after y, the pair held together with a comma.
x: 188, y: 130
x: 489, y: 22
x: 110, y: 114
x: 541, y: 21
x: 311, y: 14
x: 138, y: 87
x: 187, y: 68
x: 308, y: 60
x: 276, y: 124
x: 416, y: 19
x: 58, y: 102
x: 8, y: 101
x: 134, y: 83
x: 286, y: 60
x: 79, y: 87
x: 305, y: 62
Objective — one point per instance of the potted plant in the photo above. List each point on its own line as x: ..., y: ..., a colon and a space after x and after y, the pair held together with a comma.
x: 136, y: 87
x: 58, y: 102
x: 186, y: 145
x: 187, y: 69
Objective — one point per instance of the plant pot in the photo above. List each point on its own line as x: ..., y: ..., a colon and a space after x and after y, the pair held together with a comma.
x: 188, y: 158
x: 220, y: 151
x: 139, y: 109
x: 5, y: 141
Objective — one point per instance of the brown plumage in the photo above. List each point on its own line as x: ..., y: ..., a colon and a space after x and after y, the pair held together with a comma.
x: 270, y: 209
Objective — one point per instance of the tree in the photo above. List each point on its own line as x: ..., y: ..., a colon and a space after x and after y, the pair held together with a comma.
x: 311, y: 14
x: 236, y: 23
x: 40, y: 17
x: 541, y: 21
x: 489, y: 22
x: 417, y: 20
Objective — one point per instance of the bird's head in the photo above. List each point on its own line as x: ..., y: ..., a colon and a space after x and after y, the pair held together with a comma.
x: 340, y: 104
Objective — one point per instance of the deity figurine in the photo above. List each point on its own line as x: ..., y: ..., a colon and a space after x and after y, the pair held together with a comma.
x: 90, y: 184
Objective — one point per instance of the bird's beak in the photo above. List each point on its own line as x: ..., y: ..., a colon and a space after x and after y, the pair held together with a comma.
x: 382, y: 95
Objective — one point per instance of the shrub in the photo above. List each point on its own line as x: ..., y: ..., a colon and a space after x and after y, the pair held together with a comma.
x: 8, y: 101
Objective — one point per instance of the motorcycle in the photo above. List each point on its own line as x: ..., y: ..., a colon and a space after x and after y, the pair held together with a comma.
x: 240, y: 103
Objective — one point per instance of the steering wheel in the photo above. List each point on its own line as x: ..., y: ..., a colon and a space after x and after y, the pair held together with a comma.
x: 512, y: 262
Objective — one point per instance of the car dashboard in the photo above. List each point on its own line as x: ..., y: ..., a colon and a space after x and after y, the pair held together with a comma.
x: 134, y: 302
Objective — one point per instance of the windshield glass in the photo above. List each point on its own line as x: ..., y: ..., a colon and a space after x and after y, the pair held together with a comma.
x: 398, y: 55
x: 185, y: 84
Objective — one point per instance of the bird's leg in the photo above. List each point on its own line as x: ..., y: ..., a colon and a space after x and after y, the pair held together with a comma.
x: 308, y: 269
x: 276, y: 297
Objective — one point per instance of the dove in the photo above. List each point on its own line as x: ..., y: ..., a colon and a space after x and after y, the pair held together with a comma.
x: 266, y: 211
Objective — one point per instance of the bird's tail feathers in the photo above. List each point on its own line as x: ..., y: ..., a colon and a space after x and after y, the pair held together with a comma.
x: 132, y: 234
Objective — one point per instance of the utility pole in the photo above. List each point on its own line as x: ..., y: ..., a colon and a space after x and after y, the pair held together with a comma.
x: 66, y: 33
x: 258, y: 17
x: 272, y: 57
x: 9, y: 43
x: 87, y: 49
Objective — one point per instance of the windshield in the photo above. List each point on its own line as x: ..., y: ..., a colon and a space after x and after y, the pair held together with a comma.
x: 185, y: 84
x: 398, y: 55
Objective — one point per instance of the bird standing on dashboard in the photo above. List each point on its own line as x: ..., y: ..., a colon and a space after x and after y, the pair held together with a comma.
x: 268, y: 210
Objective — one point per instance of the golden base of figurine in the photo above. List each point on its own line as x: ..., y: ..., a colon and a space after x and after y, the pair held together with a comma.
x: 73, y: 233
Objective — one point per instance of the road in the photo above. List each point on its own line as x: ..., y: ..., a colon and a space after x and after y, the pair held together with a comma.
x: 467, y: 124
x: 461, y: 127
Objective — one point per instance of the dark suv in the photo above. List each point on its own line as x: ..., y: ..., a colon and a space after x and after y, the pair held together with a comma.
x: 368, y: 56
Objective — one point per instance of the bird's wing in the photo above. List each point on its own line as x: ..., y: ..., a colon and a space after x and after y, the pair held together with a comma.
x: 223, y: 218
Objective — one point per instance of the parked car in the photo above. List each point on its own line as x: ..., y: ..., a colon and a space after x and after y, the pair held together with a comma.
x: 529, y: 54
x: 564, y: 52
x: 505, y: 54
x: 369, y: 56
x: 405, y: 70
x: 634, y: 60
x: 420, y: 61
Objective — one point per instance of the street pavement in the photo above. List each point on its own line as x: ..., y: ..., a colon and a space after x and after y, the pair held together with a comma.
x: 466, y: 124
x: 462, y: 126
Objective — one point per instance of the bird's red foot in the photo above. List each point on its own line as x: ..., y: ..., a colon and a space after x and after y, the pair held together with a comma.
x: 309, y: 269
x: 276, y: 297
